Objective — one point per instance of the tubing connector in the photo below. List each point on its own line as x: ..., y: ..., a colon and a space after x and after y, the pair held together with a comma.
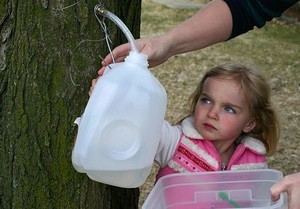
x: 99, y: 9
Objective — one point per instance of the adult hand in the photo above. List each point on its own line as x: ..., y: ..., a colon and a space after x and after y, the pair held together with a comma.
x: 291, y: 185
x: 156, y: 48
x: 94, y: 81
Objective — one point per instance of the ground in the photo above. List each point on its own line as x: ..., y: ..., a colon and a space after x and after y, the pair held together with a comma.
x: 274, y: 49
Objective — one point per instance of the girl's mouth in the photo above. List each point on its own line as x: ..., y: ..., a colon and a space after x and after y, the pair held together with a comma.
x: 209, y: 127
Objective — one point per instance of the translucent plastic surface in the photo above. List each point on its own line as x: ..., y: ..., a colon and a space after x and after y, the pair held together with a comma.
x: 119, y: 131
x: 217, y: 190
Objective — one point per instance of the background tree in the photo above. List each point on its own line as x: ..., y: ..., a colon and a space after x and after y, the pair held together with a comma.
x: 48, y: 56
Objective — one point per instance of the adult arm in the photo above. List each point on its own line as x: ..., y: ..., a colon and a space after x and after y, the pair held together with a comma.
x: 222, y: 20
x: 211, y: 24
x: 216, y: 22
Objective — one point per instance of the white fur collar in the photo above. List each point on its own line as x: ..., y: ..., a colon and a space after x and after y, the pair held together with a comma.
x: 188, y: 128
x: 254, y: 144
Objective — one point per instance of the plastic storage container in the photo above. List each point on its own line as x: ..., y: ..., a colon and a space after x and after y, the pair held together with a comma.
x: 215, y: 190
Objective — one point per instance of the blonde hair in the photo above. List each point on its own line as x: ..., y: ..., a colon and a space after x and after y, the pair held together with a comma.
x: 257, y: 94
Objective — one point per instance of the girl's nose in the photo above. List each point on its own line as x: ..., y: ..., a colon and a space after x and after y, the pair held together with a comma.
x: 213, y: 113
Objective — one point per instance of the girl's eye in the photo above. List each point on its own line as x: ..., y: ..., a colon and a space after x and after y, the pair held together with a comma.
x: 205, y: 100
x: 229, y: 109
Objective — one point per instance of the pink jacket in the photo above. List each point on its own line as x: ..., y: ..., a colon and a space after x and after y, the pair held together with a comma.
x: 195, y: 154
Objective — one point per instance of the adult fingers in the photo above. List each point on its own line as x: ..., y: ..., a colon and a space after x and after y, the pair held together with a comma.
x: 277, y: 188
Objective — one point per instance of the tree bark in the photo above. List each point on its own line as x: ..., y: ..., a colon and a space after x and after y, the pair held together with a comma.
x: 49, y: 53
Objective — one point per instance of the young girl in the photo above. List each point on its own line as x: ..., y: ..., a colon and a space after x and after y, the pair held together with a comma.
x: 231, y: 126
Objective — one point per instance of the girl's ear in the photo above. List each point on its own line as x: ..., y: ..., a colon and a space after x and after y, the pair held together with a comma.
x: 249, y: 126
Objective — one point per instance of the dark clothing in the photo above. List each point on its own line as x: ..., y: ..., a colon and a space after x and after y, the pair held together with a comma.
x: 249, y: 13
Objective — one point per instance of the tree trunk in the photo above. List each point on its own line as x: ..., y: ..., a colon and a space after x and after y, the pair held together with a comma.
x: 48, y: 57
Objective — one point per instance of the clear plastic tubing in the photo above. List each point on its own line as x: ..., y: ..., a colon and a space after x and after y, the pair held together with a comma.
x: 100, y: 10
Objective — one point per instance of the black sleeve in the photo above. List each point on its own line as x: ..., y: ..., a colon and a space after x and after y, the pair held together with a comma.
x: 246, y: 14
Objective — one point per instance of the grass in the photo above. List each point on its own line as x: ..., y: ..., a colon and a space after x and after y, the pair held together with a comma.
x: 275, y: 49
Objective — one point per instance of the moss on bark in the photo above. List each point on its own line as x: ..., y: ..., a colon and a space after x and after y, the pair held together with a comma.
x: 46, y: 48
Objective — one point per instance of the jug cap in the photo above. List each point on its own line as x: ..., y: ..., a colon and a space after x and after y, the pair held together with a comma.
x: 137, y: 58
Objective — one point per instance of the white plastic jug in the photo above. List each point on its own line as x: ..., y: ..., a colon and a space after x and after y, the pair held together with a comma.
x: 120, y: 128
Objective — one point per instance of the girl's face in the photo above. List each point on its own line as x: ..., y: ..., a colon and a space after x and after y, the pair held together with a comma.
x: 222, y: 112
